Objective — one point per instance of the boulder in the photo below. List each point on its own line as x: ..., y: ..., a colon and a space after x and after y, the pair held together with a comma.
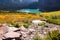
x: 31, y: 30
x: 13, y: 29
x: 0, y: 38
x: 23, y: 34
x: 36, y: 22
x: 22, y: 28
x: 3, y: 29
x: 12, y: 35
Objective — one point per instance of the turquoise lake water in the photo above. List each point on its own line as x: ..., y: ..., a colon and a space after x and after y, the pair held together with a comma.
x: 29, y: 10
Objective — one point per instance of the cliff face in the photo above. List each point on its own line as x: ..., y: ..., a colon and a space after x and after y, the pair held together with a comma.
x: 43, y: 5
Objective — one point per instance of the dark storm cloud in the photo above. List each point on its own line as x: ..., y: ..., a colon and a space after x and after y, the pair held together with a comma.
x: 43, y: 5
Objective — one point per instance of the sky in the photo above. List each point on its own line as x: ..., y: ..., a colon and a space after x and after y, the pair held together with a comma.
x: 43, y: 5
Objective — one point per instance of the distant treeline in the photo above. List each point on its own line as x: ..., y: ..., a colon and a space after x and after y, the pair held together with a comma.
x: 7, y: 11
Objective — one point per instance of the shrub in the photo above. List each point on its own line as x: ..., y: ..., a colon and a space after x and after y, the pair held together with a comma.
x: 43, y: 24
x: 55, y: 16
x: 54, y: 35
x: 10, y: 22
x: 37, y: 37
x: 46, y: 17
x: 54, y: 21
x: 16, y: 25
x: 26, y: 25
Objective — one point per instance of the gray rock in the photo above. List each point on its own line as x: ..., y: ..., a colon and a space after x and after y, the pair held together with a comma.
x: 23, y: 34
x: 22, y: 28
x: 31, y: 30
x: 0, y: 38
x: 12, y: 35
x: 13, y: 29
x: 4, y: 28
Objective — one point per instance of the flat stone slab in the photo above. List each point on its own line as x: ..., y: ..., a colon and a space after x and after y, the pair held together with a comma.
x: 12, y: 35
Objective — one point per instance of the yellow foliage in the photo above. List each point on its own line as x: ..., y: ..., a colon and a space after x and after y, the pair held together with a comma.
x: 17, y: 17
x: 51, y: 13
